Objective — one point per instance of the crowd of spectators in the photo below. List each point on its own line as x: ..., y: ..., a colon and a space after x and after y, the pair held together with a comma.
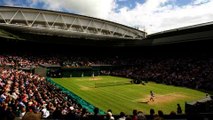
x: 25, y: 94
x: 17, y: 61
x: 21, y: 61
x: 29, y: 96
x: 28, y: 61
x: 188, y: 72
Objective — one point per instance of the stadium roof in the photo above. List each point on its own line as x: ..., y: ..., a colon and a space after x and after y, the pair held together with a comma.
x: 199, y: 32
x: 183, y: 28
x: 47, y: 22
x: 27, y: 24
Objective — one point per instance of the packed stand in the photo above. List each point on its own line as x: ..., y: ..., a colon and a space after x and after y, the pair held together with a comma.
x: 16, y: 61
x: 187, y: 72
x: 168, y: 70
x: 26, y: 95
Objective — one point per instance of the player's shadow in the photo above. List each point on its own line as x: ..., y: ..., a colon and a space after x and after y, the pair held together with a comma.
x: 144, y: 102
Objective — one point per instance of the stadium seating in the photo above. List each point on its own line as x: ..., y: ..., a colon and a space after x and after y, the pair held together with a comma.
x: 53, y: 99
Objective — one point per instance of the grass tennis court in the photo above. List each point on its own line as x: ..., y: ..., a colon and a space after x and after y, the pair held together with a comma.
x: 129, y: 96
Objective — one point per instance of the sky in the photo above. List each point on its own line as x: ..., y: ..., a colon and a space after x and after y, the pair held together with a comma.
x: 148, y: 15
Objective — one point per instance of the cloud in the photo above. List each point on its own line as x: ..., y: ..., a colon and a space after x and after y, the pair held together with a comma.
x: 196, y: 2
x: 95, y: 8
x: 159, y: 15
x: 121, y: 0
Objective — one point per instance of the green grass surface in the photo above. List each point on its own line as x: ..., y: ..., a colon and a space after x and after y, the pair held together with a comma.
x: 128, y: 97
